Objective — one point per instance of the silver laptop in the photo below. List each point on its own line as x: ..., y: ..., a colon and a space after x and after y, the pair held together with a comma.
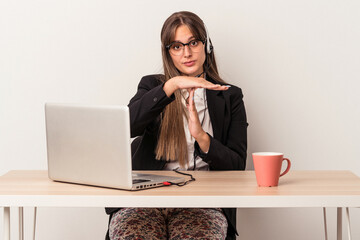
x: 91, y: 145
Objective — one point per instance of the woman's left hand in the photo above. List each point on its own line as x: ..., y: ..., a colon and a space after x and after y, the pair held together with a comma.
x: 195, y: 127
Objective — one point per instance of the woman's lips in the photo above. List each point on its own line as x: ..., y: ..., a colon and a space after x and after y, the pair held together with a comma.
x: 189, y: 64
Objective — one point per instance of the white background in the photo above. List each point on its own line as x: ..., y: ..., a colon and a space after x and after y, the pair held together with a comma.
x: 297, y: 61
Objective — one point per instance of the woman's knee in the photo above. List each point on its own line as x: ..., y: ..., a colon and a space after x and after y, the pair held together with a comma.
x: 195, y: 223
x: 132, y: 223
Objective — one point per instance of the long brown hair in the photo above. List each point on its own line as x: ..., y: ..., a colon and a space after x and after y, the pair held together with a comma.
x: 172, y: 143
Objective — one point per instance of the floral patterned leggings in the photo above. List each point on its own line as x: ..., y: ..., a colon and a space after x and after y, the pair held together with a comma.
x: 168, y: 223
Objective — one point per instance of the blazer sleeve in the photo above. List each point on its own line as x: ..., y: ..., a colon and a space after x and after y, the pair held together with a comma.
x: 229, y: 153
x: 147, y: 104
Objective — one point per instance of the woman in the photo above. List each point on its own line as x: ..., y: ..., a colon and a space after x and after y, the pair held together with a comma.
x: 186, y: 119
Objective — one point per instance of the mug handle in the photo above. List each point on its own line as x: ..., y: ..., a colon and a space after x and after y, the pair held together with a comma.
x: 288, y: 166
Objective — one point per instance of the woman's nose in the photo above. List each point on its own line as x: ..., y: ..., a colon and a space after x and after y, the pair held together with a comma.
x: 187, y: 51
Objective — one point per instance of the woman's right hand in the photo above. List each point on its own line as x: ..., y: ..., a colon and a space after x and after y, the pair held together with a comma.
x: 184, y: 82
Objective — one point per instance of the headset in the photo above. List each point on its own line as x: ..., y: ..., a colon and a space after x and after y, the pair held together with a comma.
x: 208, y: 43
x: 209, y: 48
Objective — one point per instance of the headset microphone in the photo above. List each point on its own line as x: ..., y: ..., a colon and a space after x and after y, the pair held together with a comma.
x: 209, y: 48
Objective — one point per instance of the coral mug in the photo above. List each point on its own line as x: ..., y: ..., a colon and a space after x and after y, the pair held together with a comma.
x: 268, y: 167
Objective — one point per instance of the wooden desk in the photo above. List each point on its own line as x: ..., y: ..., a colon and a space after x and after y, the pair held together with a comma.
x: 236, y: 189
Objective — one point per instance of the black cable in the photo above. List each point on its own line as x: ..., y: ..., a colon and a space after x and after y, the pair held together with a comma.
x: 183, y: 183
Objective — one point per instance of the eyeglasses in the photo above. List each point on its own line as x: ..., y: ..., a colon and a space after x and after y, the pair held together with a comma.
x: 177, y: 48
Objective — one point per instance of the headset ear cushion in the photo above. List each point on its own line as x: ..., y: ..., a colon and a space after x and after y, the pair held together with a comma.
x: 209, y: 46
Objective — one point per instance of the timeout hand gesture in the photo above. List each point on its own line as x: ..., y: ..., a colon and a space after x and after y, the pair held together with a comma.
x: 184, y: 82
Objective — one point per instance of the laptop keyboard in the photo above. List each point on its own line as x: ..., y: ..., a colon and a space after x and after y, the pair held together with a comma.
x: 140, y: 180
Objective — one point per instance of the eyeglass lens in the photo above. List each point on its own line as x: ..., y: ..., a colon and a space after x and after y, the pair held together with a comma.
x: 177, y: 48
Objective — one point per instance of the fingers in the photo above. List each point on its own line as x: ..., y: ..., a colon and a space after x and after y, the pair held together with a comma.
x: 191, y: 105
x: 208, y: 85
x: 218, y: 87
x: 193, y: 82
x: 193, y: 114
x: 191, y: 100
x: 194, y: 124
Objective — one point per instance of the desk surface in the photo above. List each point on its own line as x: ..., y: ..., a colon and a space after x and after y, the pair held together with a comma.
x: 211, y: 189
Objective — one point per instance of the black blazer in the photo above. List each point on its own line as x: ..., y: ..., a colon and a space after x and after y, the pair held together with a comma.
x: 228, y: 146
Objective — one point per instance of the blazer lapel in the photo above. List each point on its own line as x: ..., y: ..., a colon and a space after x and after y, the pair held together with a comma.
x: 216, y: 107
